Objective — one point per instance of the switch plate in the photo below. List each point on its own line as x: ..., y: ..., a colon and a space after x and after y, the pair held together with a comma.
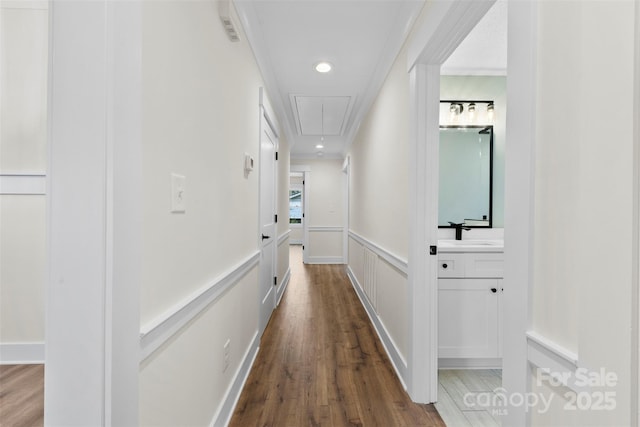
x: 178, y: 194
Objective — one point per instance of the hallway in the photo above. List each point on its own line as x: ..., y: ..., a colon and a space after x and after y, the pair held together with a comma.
x: 320, y: 362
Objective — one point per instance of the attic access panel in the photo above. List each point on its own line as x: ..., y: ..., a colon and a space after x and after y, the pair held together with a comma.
x: 321, y: 115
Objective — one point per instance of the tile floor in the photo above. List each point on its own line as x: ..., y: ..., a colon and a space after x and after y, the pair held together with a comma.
x: 466, y: 397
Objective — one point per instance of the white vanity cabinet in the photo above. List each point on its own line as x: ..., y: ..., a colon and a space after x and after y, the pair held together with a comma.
x: 470, y: 289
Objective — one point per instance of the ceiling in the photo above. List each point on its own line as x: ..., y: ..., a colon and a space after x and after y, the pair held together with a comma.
x: 360, y: 38
x: 484, y: 50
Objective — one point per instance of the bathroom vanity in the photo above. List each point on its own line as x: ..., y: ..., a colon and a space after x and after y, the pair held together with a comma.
x: 470, y: 292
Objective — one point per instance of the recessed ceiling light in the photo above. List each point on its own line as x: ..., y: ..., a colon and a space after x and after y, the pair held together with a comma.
x: 323, y: 67
x: 319, y: 146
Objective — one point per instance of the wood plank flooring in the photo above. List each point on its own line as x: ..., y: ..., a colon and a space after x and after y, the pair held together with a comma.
x: 321, y: 363
x: 454, y: 384
x: 21, y: 395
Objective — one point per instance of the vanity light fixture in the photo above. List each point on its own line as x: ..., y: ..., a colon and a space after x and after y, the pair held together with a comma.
x: 456, y: 108
x: 323, y: 67
x: 472, y: 111
x: 466, y: 112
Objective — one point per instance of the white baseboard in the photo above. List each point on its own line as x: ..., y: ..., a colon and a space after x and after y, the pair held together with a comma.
x: 470, y: 363
x: 22, y: 353
x: 325, y: 260
x: 397, y: 361
x: 283, y: 285
x: 223, y: 417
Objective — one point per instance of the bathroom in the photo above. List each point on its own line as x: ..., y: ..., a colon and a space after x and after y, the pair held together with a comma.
x: 471, y: 225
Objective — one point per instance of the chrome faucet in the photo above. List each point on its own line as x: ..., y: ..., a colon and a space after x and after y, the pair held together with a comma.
x: 459, y: 228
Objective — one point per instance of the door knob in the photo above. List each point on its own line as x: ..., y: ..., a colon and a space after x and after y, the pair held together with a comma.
x: 494, y: 290
x: 265, y: 237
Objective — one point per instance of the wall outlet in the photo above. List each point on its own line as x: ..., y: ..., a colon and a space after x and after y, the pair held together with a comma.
x: 178, y: 193
x: 226, y: 355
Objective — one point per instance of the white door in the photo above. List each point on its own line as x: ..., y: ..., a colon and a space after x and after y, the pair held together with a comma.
x: 267, y: 292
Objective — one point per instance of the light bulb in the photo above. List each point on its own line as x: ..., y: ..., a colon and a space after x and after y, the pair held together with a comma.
x: 323, y: 67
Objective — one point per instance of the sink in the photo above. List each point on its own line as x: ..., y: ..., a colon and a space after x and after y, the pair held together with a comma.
x: 470, y: 242
x: 471, y: 245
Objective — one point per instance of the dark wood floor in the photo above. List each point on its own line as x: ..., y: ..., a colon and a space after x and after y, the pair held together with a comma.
x: 321, y: 363
x: 21, y: 395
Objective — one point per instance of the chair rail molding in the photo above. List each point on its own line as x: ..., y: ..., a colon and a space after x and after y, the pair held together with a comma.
x: 399, y: 263
x: 23, y: 184
x: 158, y: 331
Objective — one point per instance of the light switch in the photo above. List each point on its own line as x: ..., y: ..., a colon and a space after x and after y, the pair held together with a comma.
x: 178, y: 194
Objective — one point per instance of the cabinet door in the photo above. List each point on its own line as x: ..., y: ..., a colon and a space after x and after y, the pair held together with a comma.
x: 468, y: 318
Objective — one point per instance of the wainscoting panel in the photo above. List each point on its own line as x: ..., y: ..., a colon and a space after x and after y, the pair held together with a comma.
x: 154, y: 334
x: 382, y: 289
x: 297, y: 235
x: 370, y: 274
x: 230, y: 401
x: 325, y: 245
x: 356, y: 260
x: 284, y: 271
x: 196, y: 375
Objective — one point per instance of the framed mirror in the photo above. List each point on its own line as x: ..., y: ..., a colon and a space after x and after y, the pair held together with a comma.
x: 466, y: 176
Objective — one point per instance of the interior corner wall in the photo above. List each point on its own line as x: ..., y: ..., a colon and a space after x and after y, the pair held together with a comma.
x: 324, y: 211
x: 200, y: 116
x: 23, y: 149
x: 485, y: 88
x: 582, y: 278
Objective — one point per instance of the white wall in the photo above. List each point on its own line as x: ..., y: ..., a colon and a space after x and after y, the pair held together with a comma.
x: 200, y: 115
x: 379, y: 212
x: 379, y: 199
x: 581, y: 296
x: 23, y: 130
x: 485, y: 88
x: 324, y: 212
x: 23, y: 147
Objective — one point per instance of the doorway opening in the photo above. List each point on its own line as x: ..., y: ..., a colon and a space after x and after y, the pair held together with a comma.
x: 296, y: 208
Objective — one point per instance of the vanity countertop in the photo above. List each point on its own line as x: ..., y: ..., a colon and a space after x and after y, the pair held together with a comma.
x: 470, y: 245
